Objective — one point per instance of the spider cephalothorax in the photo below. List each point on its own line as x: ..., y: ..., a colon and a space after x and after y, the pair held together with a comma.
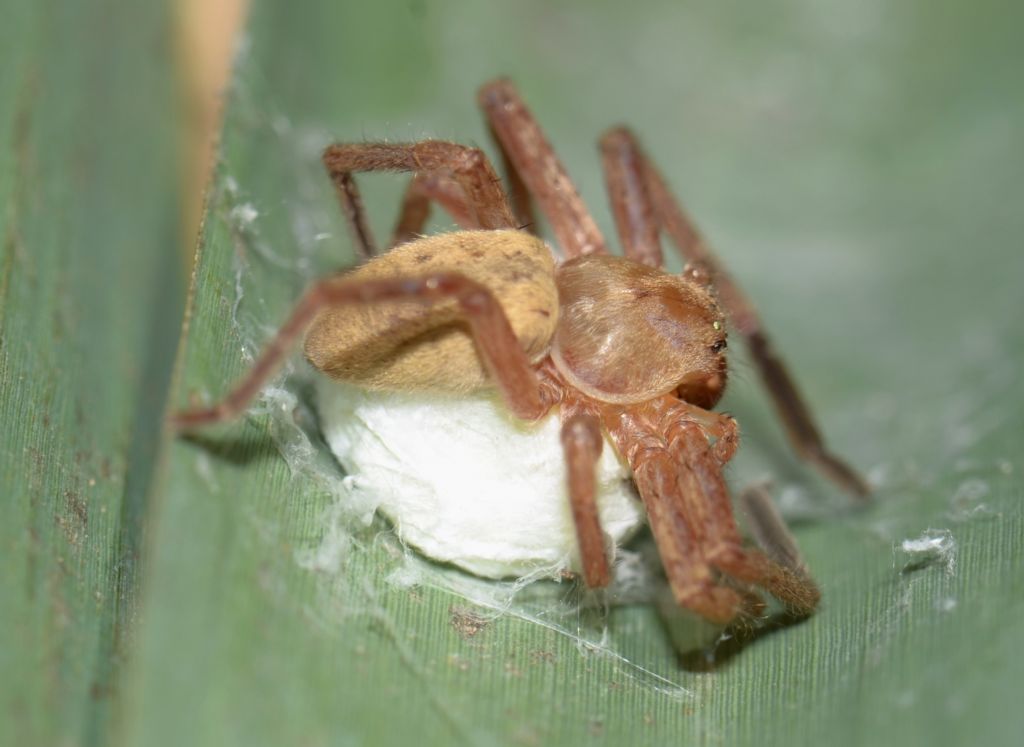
x: 625, y: 351
x: 628, y: 332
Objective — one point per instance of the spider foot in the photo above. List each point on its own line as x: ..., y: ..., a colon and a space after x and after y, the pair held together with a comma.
x: 793, y: 588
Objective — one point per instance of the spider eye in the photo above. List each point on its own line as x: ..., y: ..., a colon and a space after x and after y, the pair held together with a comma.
x: 719, y: 346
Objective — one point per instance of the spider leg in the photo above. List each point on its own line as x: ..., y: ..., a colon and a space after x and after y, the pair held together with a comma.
x: 627, y: 193
x: 496, y: 342
x: 724, y: 548
x: 769, y: 529
x: 796, y: 591
x: 789, y: 403
x: 679, y: 523
x: 459, y: 164
x: 582, y: 441
x: 678, y: 519
x: 415, y: 209
x: 536, y: 165
x: 518, y: 193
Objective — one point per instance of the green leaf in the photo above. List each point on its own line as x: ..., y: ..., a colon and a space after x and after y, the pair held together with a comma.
x: 857, y: 167
x: 90, y: 305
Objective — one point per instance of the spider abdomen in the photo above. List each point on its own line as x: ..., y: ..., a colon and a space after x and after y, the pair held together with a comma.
x: 411, y: 345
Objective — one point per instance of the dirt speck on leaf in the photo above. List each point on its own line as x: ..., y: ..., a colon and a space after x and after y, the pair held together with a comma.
x: 466, y: 622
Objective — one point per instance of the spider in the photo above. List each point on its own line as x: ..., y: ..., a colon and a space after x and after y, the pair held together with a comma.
x: 621, y: 347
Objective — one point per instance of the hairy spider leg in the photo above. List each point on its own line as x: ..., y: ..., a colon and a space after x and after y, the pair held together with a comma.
x: 629, y: 161
x: 723, y: 547
x: 675, y: 522
x: 503, y: 356
x: 631, y: 206
x: 679, y: 478
x: 483, y: 203
x: 518, y: 193
x: 582, y: 441
x: 769, y: 528
x: 534, y: 162
x: 414, y: 212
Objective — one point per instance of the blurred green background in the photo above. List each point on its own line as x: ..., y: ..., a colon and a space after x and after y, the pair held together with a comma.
x: 856, y: 164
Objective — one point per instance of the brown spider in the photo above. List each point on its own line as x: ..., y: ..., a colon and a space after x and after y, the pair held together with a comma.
x: 619, y: 345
